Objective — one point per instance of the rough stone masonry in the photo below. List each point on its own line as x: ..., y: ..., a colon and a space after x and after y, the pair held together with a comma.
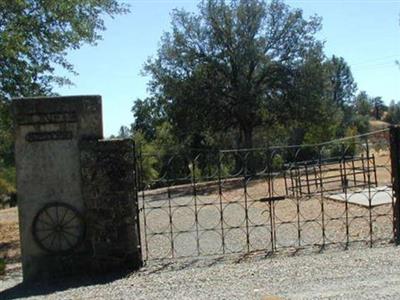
x: 76, y: 195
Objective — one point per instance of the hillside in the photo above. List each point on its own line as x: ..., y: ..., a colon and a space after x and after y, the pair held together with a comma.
x: 378, y: 125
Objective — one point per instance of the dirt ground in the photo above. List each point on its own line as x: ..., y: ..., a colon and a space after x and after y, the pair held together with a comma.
x: 9, y: 235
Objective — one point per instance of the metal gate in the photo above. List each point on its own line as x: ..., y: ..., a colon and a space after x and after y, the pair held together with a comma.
x: 202, y: 203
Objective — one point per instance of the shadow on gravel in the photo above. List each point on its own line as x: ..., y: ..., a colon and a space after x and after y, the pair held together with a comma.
x: 35, y: 289
x: 23, y: 290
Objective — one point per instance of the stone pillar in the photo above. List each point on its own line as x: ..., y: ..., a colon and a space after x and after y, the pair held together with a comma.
x: 108, y: 182
x: 52, y: 188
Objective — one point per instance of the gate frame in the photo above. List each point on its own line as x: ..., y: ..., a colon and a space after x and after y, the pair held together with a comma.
x: 391, y: 137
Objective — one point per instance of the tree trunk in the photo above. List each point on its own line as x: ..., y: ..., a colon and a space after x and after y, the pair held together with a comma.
x: 248, y: 137
x: 248, y: 144
x: 239, y: 139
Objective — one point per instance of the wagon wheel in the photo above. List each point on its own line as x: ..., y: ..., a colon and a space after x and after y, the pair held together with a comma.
x: 58, y: 228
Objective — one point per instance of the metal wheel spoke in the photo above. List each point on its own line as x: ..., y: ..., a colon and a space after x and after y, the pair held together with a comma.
x: 63, y: 217
x: 62, y: 226
x: 66, y: 239
x: 50, y: 217
x: 45, y: 238
x: 70, y: 220
x: 57, y: 217
x: 54, y: 238
x: 71, y: 226
x: 59, y: 240
x: 45, y: 229
x: 44, y: 222
x: 69, y: 233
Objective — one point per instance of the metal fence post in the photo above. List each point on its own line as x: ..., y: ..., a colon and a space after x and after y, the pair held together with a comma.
x: 395, y: 167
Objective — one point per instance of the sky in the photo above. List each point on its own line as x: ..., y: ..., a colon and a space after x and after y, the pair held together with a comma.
x: 365, y: 32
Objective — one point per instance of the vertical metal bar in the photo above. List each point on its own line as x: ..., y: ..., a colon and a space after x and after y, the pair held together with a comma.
x: 307, y: 179
x: 346, y: 205
x: 272, y: 224
x: 354, y: 172
x: 374, y: 170
x: 296, y: 181
x: 286, y: 185
x: 136, y: 197
x: 315, y: 177
x: 272, y: 187
x: 369, y: 193
x: 298, y: 220
x: 269, y: 173
x: 245, y: 200
x: 341, y: 163
x: 141, y: 182
x: 299, y: 180
x: 196, y: 219
x: 322, y: 197
x: 271, y: 211
x: 273, y: 215
x: 171, y: 225
x: 221, y: 210
x: 395, y: 168
x: 298, y: 210
x: 291, y: 181
x: 363, y: 170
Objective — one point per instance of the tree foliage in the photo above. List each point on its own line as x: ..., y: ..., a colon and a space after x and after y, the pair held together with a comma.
x: 343, y: 85
x: 393, y: 114
x: 379, y: 107
x: 363, y: 104
x: 241, y: 72
x: 148, y: 114
x: 246, y: 73
x: 230, y: 65
x: 34, y: 37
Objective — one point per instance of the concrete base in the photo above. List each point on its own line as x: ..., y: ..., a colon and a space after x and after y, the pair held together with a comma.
x: 377, y: 195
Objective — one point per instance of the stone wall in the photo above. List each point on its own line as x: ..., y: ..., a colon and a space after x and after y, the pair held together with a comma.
x: 110, y: 201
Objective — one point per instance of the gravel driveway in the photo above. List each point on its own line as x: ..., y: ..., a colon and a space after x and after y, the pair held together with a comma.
x: 355, y: 274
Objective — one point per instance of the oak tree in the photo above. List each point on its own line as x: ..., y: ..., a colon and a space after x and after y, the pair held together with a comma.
x: 228, y: 65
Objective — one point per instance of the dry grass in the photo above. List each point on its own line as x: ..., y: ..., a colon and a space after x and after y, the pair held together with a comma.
x: 9, y: 235
x: 378, y: 125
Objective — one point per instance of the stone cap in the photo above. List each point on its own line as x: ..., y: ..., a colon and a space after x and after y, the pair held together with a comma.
x: 85, y: 110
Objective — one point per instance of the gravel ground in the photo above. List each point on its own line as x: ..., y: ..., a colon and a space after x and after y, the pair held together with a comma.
x: 362, y: 274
